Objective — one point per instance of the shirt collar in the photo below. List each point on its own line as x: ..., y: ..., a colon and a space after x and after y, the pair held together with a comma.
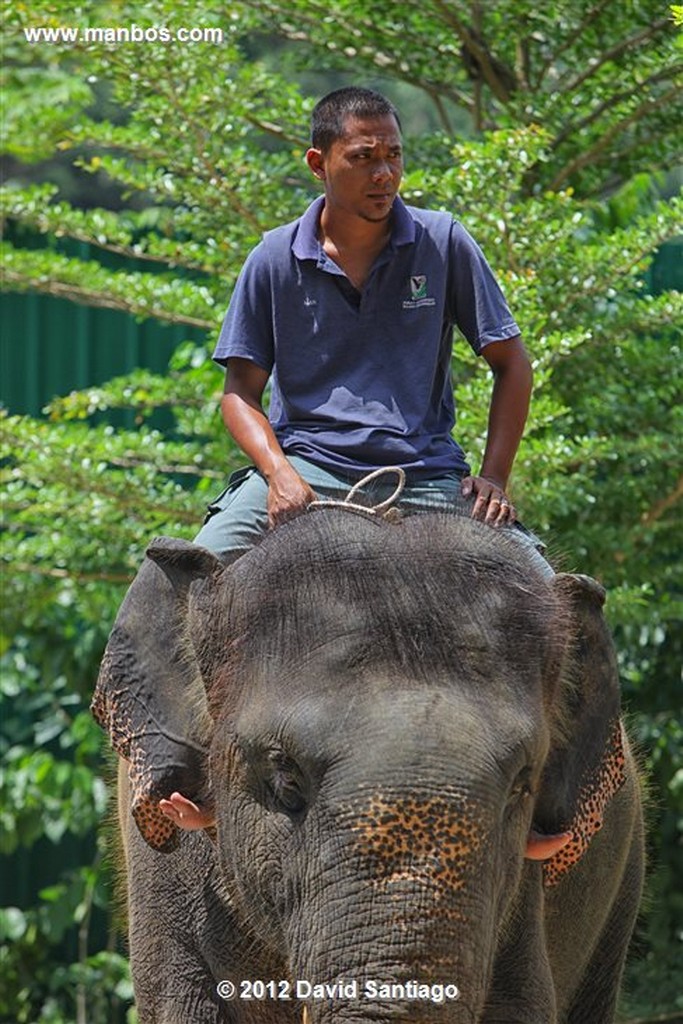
x: 307, y: 247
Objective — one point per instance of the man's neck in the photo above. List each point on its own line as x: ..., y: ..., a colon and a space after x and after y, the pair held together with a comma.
x: 352, y: 234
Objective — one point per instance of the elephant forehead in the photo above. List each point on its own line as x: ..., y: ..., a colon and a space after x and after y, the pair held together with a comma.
x: 429, y: 834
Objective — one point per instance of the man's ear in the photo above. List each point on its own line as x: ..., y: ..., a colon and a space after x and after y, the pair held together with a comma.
x: 316, y: 163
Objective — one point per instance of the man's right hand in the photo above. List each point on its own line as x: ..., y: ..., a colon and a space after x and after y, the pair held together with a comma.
x: 243, y: 415
x: 288, y: 495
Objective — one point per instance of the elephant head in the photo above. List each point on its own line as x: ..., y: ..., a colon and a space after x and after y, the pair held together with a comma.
x: 395, y: 723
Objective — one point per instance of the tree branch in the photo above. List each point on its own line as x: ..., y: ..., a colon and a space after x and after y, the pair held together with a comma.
x: 311, y: 17
x: 211, y: 169
x: 85, y: 297
x: 523, y: 63
x: 618, y: 271
x: 127, y: 251
x: 616, y: 51
x: 663, y: 505
x: 593, y: 155
x: 67, y: 574
x: 171, y: 470
x: 273, y: 129
x: 574, y: 126
x: 478, y: 112
x: 615, y: 180
x: 480, y: 54
x: 578, y: 32
x: 170, y: 95
x: 440, y: 109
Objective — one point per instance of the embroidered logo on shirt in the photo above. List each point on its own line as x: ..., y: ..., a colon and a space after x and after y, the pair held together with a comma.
x: 418, y: 286
x: 418, y: 292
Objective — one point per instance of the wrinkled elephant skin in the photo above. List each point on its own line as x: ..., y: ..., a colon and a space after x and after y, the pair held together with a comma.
x: 425, y: 806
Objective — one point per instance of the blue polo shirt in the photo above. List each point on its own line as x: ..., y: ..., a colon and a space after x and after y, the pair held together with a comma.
x: 362, y: 380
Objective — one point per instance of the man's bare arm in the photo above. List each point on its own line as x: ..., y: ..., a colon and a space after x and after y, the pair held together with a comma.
x: 248, y: 424
x: 507, y: 417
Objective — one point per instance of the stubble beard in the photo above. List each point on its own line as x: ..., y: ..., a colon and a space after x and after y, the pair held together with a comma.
x: 378, y: 218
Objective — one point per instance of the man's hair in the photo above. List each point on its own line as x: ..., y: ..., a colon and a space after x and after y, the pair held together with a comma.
x: 330, y: 113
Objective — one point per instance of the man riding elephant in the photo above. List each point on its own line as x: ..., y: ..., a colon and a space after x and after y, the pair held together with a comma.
x: 350, y: 310
x: 369, y: 730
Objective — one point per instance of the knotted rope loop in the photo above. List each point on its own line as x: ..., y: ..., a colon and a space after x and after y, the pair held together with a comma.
x: 383, y: 510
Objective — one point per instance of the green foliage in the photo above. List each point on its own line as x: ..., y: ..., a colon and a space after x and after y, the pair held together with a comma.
x: 603, y: 79
x: 52, y: 795
x: 34, y: 988
x: 551, y: 144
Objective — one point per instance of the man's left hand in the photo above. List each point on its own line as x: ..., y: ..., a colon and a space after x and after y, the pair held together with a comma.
x: 491, y: 506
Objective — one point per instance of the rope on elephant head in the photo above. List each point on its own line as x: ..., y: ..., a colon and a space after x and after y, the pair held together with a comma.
x: 384, y: 510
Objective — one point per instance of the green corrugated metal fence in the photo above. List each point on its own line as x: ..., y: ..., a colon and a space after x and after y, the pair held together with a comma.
x: 50, y: 347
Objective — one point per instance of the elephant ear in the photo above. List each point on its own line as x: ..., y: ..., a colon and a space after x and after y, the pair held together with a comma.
x: 150, y: 695
x: 586, y: 765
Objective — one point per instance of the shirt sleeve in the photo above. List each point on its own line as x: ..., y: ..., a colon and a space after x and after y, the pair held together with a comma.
x: 247, y: 331
x: 477, y: 303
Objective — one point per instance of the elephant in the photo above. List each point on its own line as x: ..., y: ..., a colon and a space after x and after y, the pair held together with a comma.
x: 425, y: 807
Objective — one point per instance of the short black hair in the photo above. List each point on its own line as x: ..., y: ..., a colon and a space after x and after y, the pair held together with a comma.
x: 331, y: 112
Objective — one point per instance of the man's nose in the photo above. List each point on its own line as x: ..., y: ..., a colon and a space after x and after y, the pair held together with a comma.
x: 381, y: 171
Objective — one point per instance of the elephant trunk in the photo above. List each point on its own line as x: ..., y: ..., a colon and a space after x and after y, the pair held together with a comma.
x: 414, y: 941
x: 434, y: 1009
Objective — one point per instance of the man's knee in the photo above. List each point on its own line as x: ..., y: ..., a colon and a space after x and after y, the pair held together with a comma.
x: 238, y: 517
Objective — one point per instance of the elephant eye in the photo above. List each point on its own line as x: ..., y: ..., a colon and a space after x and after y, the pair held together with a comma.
x: 522, y: 787
x: 286, y: 785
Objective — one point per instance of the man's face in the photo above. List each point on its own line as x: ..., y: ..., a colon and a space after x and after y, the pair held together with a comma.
x: 362, y: 170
